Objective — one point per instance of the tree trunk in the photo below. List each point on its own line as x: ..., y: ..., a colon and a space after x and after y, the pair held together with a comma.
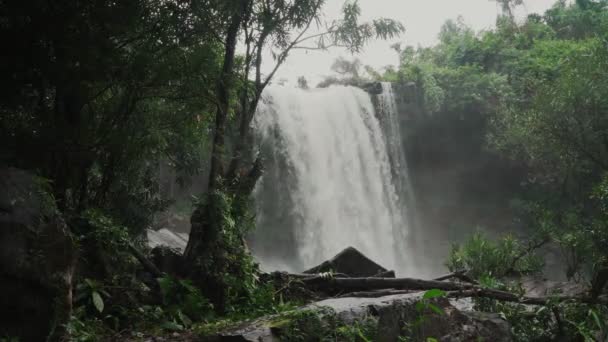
x: 223, y: 93
x: 205, y: 228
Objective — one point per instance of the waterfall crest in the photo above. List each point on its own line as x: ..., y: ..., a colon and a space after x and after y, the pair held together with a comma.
x: 335, y: 176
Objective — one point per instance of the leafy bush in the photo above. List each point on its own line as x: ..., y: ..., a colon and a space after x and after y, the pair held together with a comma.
x: 183, y: 303
x: 482, y: 257
x: 488, y: 261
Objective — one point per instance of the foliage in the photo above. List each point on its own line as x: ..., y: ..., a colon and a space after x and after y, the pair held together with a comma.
x: 425, y: 308
x: 534, y: 92
x: 183, y: 303
x: 91, y: 291
x: 569, y: 320
x: 103, y: 96
x: 83, y: 329
x: 347, y: 72
x: 488, y: 262
x: 481, y: 257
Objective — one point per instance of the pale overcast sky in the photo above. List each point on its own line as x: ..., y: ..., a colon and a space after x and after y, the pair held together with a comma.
x: 422, y: 20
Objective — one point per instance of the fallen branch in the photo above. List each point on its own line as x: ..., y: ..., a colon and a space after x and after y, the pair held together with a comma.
x: 387, y: 274
x: 367, y: 287
x: 147, y: 264
x: 384, y: 283
x: 460, y: 275
x: 375, y: 294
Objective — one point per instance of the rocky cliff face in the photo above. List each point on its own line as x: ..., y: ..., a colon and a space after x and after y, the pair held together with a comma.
x: 459, y: 184
x: 37, y: 257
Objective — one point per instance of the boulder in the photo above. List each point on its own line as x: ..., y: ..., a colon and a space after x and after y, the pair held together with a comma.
x: 394, y: 316
x: 536, y: 286
x: 168, y: 238
x: 37, y: 258
x: 352, y: 263
x: 168, y: 260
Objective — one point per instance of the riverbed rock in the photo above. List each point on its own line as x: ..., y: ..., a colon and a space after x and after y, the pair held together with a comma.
x: 394, y: 316
x: 353, y: 263
x: 37, y: 257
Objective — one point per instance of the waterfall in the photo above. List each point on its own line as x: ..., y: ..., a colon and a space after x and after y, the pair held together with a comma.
x: 336, y: 176
x: 392, y: 127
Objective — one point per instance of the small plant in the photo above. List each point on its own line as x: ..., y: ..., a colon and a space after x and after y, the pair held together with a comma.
x: 360, y: 331
x: 183, y: 304
x: 323, y: 325
x: 424, y: 308
x: 91, y: 292
x: 426, y: 303
x: 84, y: 328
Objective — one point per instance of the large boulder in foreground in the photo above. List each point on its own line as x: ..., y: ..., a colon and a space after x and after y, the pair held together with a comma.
x: 37, y: 257
x: 352, y: 263
x: 392, y: 316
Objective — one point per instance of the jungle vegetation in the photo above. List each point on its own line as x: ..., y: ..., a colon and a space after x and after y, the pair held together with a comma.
x: 96, y: 93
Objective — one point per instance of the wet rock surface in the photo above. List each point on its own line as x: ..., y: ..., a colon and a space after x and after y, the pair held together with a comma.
x: 396, y: 316
x: 541, y: 287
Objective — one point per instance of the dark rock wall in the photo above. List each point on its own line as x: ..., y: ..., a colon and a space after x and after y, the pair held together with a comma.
x: 459, y: 184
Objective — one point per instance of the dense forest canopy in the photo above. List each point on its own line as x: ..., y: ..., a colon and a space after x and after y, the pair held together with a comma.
x: 539, y: 88
x: 96, y: 94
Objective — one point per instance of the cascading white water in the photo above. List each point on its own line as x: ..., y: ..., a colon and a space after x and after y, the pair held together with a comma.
x: 329, y: 183
x: 392, y: 127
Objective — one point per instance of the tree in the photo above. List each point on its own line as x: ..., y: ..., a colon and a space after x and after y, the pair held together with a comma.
x: 101, y: 95
x: 280, y: 26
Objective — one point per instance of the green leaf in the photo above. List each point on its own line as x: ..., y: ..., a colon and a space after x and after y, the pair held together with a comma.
x: 434, y: 293
x: 97, y: 301
x: 596, y: 318
x: 171, y: 326
x: 362, y: 337
x: 436, y: 309
x: 186, y: 321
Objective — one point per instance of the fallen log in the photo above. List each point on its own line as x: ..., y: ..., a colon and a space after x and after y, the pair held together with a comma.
x: 147, y: 264
x: 460, y: 275
x: 375, y: 294
x: 387, y: 274
x: 372, y: 287
x: 384, y: 283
